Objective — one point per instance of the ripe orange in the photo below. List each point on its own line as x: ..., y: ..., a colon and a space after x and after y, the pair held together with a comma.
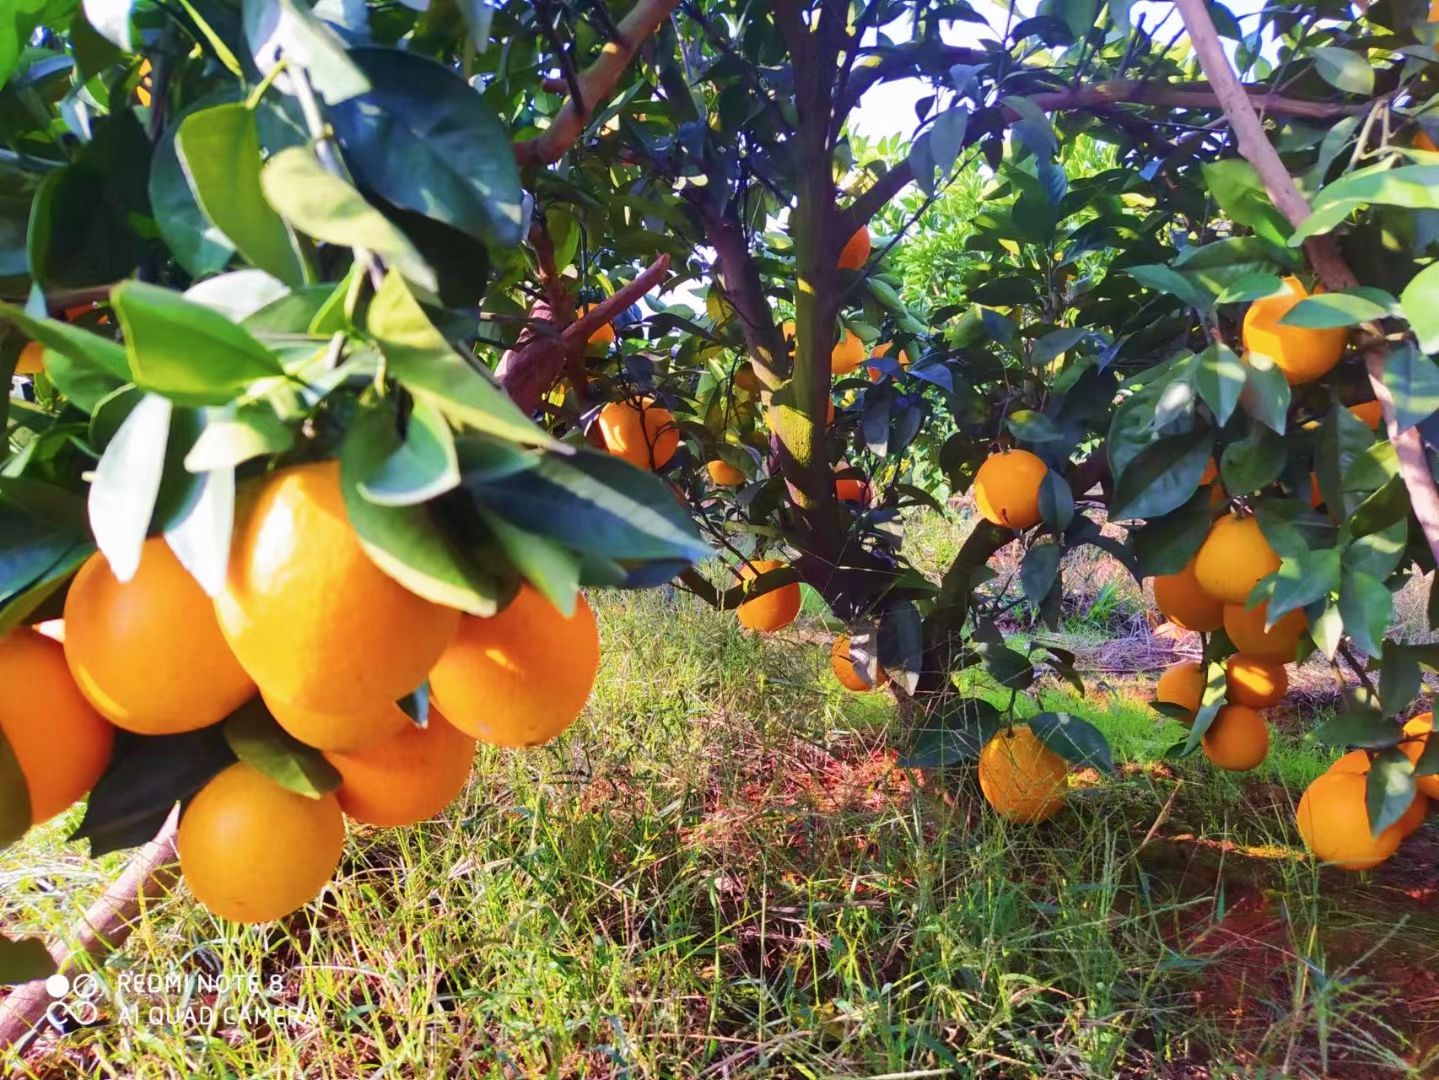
x: 408, y: 778
x: 723, y: 474
x: 148, y: 652
x: 339, y: 731
x: 1237, y: 740
x: 520, y: 677
x: 848, y: 354
x: 640, y: 432
x: 1370, y: 413
x: 144, y: 87
x: 1422, y: 140
x: 253, y: 851
x: 1245, y: 627
x: 856, y: 250
x: 1419, y: 728
x: 1357, y: 761
x: 745, y: 379
x: 61, y: 743
x: 774, y: 610
x: 1333, y: 821
x: 31, y: 360
x: 844, y: 670
x: 1023, y: 779
x: 1233, y: 558
x: 1302, y: 354
x: 850, y: 489
x: 313, y: 620
x: 883, y: 350
x: 1256, y: 681
x: 1182, y: 685
x: 605, y: 335
x: 1006, y: 488
x: 1182, y: 601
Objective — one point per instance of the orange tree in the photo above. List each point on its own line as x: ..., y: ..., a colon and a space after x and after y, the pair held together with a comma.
x: 404, y: 247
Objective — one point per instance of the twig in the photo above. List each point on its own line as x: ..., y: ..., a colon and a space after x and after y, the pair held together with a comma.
x: 1323, y: 255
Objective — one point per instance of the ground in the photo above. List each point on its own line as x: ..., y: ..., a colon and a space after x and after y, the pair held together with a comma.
x: 723, y: 872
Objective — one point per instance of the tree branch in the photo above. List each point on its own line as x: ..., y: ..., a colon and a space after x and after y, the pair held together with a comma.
x: 1324, y: 256
x: 596, y: 84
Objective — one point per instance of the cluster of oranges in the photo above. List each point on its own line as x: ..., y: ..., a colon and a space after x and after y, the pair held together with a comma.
x: 330, y: 643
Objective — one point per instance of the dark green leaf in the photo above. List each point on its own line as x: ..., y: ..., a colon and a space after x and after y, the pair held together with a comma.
x: 256, y: 739
x: 196, y: 243
x: 1039, y: 570
x: 1335, y: 309
x: 1390, y: 790
x: 899, y: 644
x: 1056, y: 501
x: 1219, y: 377
x: 1413, y: 381
x: 286, y: 29
x: 953, y: 734
x: 1011, y: 669
x: 421, y: 466
x: 1077, y: 741
x: 1365, y: 605
x: 1253, y: 462
x: 1163, y: 476
x: 1342, y: 69
x: 1420, y: 301
x: 1266, y: 393
x: 1300, y: 581
x: 1358, y: 727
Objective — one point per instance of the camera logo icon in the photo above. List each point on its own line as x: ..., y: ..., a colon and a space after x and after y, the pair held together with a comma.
x: 73, y: 998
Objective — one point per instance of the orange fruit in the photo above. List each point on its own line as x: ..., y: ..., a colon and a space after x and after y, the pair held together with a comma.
x: 855, y: 252
x: 848, y: 354
x: 31, y: 360
x: 252, y: 850
x: 408, y: 778
x: 1422, y: 140
x: 1233, y: 559
x: 844, y: 670
x: 310, y: 616
x: 640, y: 432
x: 1245, y: 627
x: 522, y: 676
x: 1419, y: 729
x: 143, y: 88
x: 148, y: 652
x: 1237, y: 740
x: 1302, y: 354
x: 745, y: 379
x: 1006, y: 488
x: 1369, y: 413
x: 1023, y: 779
x: 774, y: 610
x: 1182, y: 685
x: 1333, y: 821
x: 1256, y: 681
x: 605, y: 335
x: 340, y: 731
x: 883, y: 350
x: 723, y: 474
x: 1182, y: 601
x: 850, y: 489
x: 60, y: 742
x: 1357, y: 761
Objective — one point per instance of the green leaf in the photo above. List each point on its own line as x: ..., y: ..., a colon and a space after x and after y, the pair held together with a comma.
x: 1028, y: 426
x: 286, y: 28
x: 146, y: 776
x: 1343, y: 70
x: 186, y: 351
x: 85, y: 348
x: 14, y: 796
x: 1077, y: 741
x: 256, y: 739
x: 1334, y: 309
x: 1056, y: 501
x: 1301, y: 580
x: 592, y: 502
x: 1162, y: 477
x: 1343, y: 439
x: 1161, y: 278
x: 899, y: 643
x: 1253, y: 462
x: 196, y: 243
x: 319, y: 203
x: 201, y: 531
x: 1399, y: 678
x: 1219, y: 377
x: 78, y: 235
x: 550, y: 568
x: 1039, y: 570
x: 1390, y: 789
x: 1009, y: 668
x: 1360, y: 727
x: 1420, y: 303
x: 421, y: 466
x: 1211, y: 701
x: 421, y: 359
x: 1365, y: 605
x: 219, y: 148
x: 234, y: 434
x: 1236, y: 187
x: 1266, y: 393
x: 1378, y: 553
x: 1413, y: 381
x: 1249, y: 287
x: 406, y: 542
x: 424, y: 140
x: 1414, y: 187
x: 953, y: 734
x: 24, y: 960
x: 126, y: 483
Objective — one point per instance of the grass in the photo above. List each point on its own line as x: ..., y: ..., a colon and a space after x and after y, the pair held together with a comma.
x: 720, y: 872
